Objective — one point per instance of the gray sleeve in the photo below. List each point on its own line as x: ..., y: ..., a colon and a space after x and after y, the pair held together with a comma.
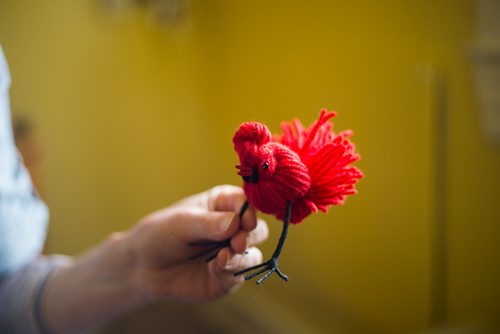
x: 21, y: 295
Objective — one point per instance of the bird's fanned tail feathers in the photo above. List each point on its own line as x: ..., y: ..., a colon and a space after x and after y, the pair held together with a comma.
x: 327, y: 156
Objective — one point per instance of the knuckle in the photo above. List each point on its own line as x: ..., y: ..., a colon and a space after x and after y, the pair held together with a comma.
x: 214, y: 196
x: 230, y: 188
x: 253, y: 257
x: 180, y: 215
x: 226, y: 189
x: 258, y: 256
x: 263, y: 228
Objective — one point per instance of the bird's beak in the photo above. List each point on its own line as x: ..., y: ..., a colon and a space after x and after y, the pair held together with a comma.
x: 248, y: 174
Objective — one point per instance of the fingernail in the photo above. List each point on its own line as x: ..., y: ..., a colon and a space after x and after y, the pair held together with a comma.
x: 222, y: 260
x: 228, y: 222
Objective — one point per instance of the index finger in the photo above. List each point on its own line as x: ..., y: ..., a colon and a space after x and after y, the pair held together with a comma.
x: 232, y: 198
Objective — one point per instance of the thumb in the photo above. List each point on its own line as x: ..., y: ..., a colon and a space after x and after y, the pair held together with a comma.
x: 207, y: 225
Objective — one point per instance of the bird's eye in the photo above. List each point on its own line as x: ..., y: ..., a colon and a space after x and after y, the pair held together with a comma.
x: 265, y: 165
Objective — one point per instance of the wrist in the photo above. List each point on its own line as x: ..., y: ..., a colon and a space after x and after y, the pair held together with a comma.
x: 121, y: 269
x: 98, y: 287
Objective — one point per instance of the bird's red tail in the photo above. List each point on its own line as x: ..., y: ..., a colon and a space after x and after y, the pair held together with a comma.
x: 327, y: 156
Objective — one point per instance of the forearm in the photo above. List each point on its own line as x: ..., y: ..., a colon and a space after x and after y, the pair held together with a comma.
x: 97, y: 288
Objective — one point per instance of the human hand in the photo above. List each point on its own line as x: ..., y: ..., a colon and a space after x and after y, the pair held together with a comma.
x: 161, y: 254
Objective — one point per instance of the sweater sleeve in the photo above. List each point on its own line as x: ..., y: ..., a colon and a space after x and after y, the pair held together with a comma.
x: 22, y: 295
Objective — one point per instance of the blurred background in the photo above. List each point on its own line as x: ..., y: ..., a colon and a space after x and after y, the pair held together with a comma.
x: 124, y: 106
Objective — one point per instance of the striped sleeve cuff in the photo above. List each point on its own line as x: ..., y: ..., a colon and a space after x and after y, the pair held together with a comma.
x: 21, y: 295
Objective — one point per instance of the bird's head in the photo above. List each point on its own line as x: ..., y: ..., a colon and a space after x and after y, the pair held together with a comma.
x: 252, y: 142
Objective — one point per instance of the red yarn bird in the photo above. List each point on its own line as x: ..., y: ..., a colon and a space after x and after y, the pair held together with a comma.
x: 293, y: 175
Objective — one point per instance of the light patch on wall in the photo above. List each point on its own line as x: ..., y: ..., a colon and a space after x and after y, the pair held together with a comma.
x: 169, y: 14
x: 485, y: 53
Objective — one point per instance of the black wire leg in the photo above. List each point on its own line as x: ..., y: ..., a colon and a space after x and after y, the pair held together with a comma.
x: 271, y: 266
x: 214, y: 247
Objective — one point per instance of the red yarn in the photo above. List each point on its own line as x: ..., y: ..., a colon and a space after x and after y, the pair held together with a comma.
x: 308, y: 167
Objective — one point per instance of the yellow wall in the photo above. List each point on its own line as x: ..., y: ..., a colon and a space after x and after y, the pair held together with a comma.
x: 132, y: 117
